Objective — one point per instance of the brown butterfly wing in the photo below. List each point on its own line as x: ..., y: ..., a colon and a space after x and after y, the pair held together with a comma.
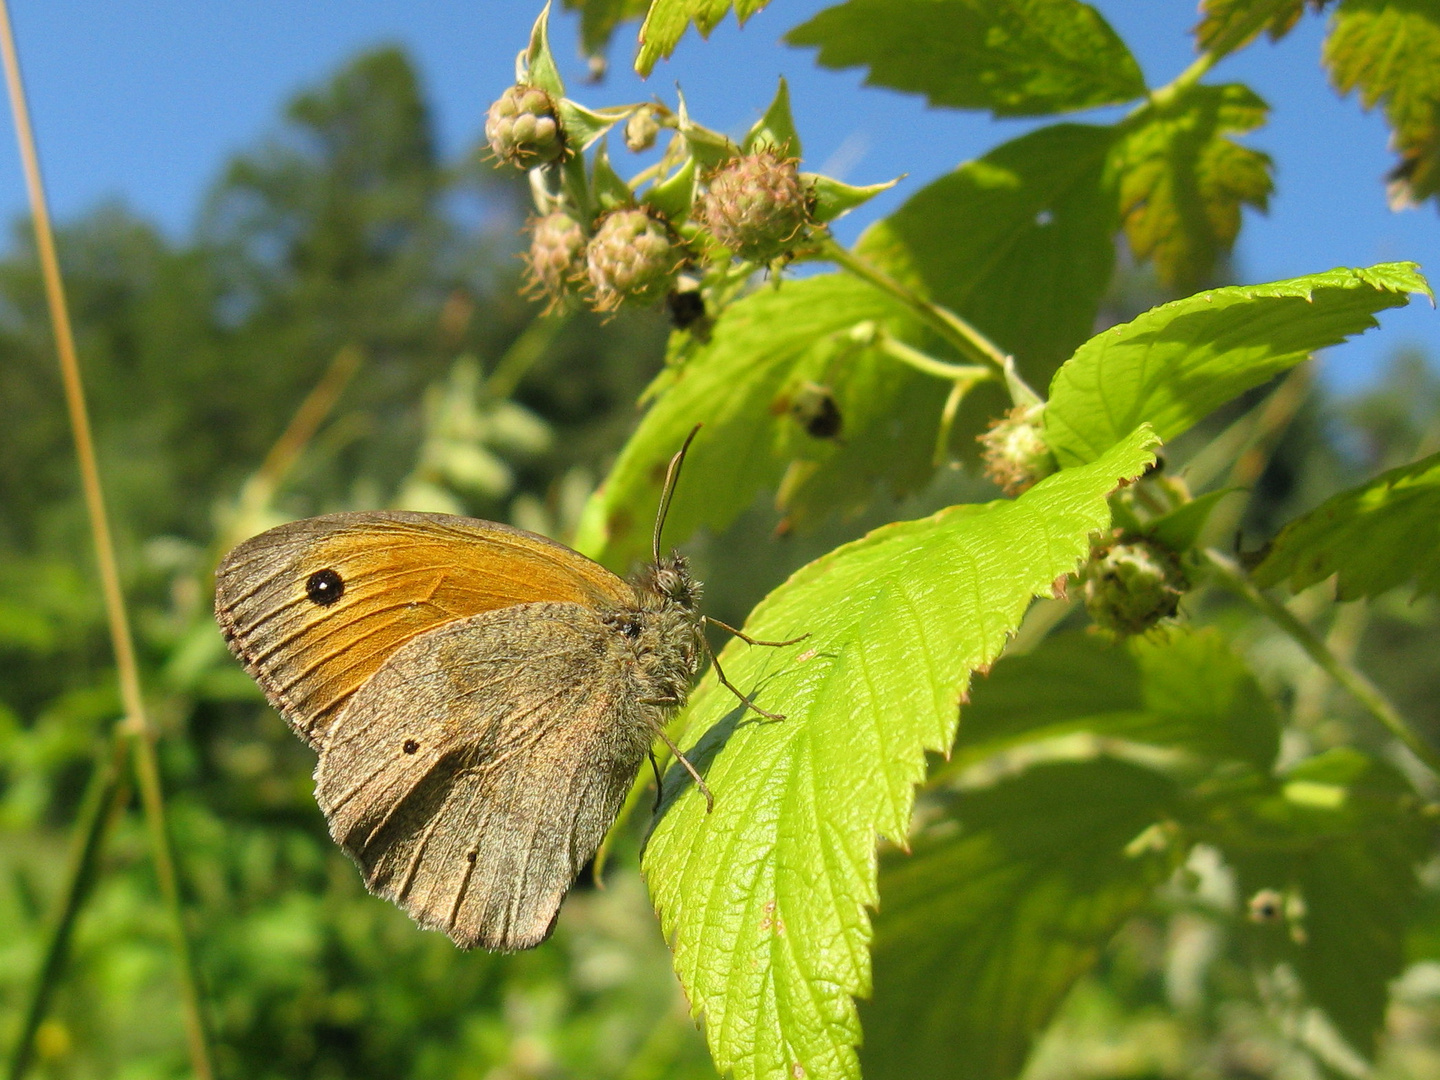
x: 477, y: 771
x: 400, y: 575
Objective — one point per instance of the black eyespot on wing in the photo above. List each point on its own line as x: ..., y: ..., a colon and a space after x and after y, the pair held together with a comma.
x: 324, y: 587
x: 410, y: 746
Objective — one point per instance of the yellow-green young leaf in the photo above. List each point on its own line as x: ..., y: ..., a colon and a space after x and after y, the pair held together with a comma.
x: 1227, y: 25
x: 1020, y: 242
x: 1177, y: 363
x: 598, y: 19
x: 983, y: 929
x: 1376, y: 537
x: 1176, y: 688
x: 1013, y: 57
x: 1339, y: 842
x: 669, y: 19
x: 764, y: 900
x: 1181, y: 182
x: 763, y: 352
x: 1390, y: 51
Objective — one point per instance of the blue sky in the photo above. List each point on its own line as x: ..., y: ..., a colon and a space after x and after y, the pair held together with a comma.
x: 143, y: 103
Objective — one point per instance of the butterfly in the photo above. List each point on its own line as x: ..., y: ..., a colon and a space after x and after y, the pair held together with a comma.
x: 480, y: 698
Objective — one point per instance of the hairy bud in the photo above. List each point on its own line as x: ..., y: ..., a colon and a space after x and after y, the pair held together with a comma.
x: 1016, y: 454
x: 630, y: 257
x: 555, y: 264
x: 756, y: 205
x: 1132, y: 585
x: 524, y: 128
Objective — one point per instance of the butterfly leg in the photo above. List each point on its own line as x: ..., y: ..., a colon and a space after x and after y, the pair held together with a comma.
x: 750, y: 640
x: 694, y: 775
x: 720, y: 674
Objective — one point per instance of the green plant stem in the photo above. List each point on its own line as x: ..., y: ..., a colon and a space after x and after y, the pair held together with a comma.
x: 950, y: 326
x: 105, y: 799
x: 1347, y: 675
x: 136, y: 724
x: 968, y: 374
x: 1164, y: 95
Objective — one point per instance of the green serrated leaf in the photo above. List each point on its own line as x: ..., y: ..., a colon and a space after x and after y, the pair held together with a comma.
x: 1227, y: 25
x: 1020, y: 242
x: 674, y: 195
x: 582, y: 126
x: 776, y: 129
x: 738, y: 385
x: 1012, y: 57
x: 1178, y: 362
x: 607, y: 188
x: 1389, y: 50
x: 1182, y: 183
x: 1179, y: 689
x: 1182, y: 528
x: 540, y: 68
x: 764, y: 900
x: 1376, y: 537
x: 1340, y: 839
x: 833, y: 198
x: 983, y: 930
x: 599, y: 18
x: 668, y: 20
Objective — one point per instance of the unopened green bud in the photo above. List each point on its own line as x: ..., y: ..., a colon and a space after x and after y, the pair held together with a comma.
x: 523, y: 127
x: 630, y: 257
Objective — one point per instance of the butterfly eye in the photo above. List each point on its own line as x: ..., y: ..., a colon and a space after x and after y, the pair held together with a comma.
x: 410, y: 746
x: 325, y: 587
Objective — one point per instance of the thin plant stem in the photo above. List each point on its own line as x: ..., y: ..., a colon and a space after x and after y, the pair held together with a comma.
x: 950, y: 326
x: 135, y: 724
x: 105, y: 799
x: 1343, y: 672
x: 922, y: 361
x: 286, y: 450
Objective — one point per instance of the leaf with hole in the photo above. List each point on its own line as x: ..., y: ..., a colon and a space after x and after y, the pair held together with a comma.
x: 1020, y: 242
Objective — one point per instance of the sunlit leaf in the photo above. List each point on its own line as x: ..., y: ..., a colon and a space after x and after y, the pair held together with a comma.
x: 1227, y: 25
x: 764, y: 899
x: 762, y: 350
x: 1020, y: 242
x: 1013, y: 57
x: 984, y: 928
x: 1178, y: 362
x: 1376, y: 537
x: 669, y: 19
x: 1389, y: 50
x: 1182, y: 182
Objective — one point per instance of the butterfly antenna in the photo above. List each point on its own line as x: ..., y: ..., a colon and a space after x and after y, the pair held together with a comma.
x: 672, y: 476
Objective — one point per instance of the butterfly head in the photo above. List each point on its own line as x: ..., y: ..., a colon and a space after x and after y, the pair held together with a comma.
x: 670, y: 580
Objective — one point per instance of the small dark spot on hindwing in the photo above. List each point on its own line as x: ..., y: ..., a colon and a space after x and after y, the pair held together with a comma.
x: 410, y: 746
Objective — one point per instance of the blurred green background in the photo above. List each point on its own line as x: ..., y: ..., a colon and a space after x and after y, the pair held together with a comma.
x: 350, y: 286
